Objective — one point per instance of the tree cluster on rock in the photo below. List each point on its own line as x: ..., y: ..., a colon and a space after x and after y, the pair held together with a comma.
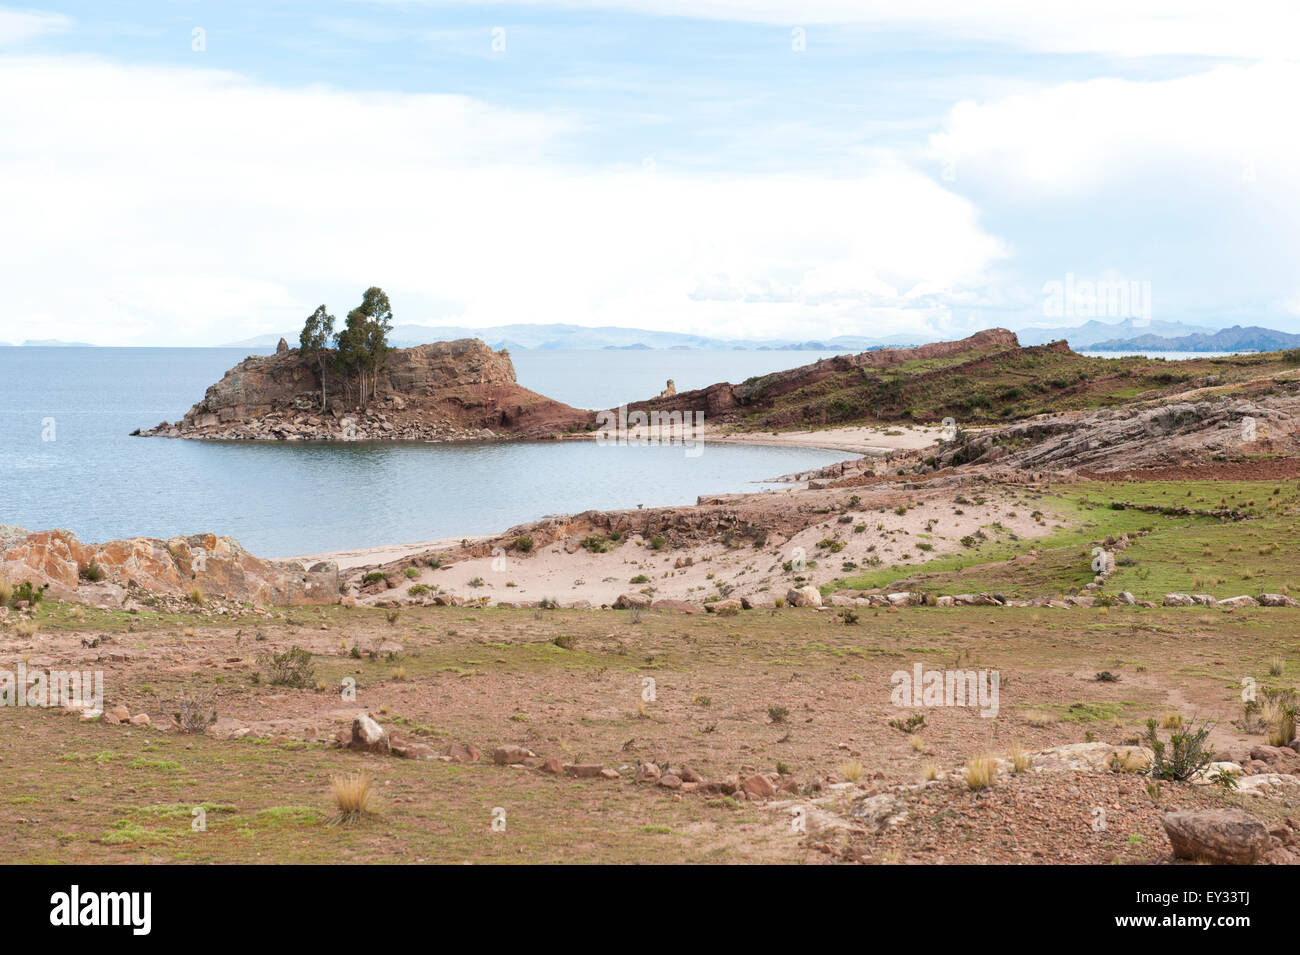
x: 356, y: 352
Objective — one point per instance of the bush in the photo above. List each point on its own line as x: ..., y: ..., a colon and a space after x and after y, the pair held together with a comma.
x: 639, y: 579
x: 292, y: 668
x: 92, y: 572
x: 657, y: 543
x: 913, y: 724
x: 523, y: 544
x: 372, y: 578
x: 411, y: 573
x: 1184, y: 755
x: 196, y: 712
x: 29, y: 592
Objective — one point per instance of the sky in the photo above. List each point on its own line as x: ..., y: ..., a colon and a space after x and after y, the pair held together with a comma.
x: 193, y: 173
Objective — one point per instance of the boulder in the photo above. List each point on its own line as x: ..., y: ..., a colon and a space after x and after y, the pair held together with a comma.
x: 632, y: 602
x: 1222, y: 836
x: 509, y: 754
x: 411, y: 750
x: 1241, y: 601
x: 1179, y: 600
x: 1277, y: 600
x: 807, y: 596
x: 724, y: 608
x: 368, y: 736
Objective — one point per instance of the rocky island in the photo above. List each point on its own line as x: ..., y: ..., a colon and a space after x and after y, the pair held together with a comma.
x: 444, y: 391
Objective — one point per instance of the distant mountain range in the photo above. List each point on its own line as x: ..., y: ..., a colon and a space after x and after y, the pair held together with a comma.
x: 49, y: 343
x: 1090, y: 333
x: 553, y: 337
x: 1236, y: 338
x: 1127, y: 335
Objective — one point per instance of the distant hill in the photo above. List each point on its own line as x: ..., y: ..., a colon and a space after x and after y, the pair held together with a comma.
x: 987, y: 378
x: 559, y: 336
x: 1090, y: 333
x: 54, y: 343
x: 1236, y: 338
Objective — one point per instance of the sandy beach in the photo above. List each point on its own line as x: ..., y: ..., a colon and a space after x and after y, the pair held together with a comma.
x: 868, y: 441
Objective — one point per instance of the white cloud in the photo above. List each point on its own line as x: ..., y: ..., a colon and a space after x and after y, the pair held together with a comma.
x: 1084, y: 136
x: 1248, y: 28
x: 19, y: 25
x: 193, y: 206
x: 1190, y: 183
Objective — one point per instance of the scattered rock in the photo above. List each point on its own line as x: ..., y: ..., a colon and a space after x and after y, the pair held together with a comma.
x: 463, y: 753
x: 510, y: 754
x: 1222, y: 836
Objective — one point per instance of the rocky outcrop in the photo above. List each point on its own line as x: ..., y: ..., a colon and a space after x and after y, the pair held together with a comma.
x: 444, y: 391
x: 1129, y: 437
x: 218, y: 566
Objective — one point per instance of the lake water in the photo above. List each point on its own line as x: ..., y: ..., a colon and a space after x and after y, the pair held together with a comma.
x: 67, y: 458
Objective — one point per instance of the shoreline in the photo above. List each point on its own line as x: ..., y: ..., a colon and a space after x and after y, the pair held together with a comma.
x: 852, y: 440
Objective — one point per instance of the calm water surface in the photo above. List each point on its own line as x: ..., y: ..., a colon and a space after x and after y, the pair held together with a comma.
x: 67, y: 460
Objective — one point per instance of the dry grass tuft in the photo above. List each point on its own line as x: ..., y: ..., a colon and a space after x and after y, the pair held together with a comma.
x: 981, y: 771
x: 1039, y: 718
x: 850, y: 772
x: 1021, y: 760
x: 929, y: 771
x: 1129, y: 761
x: 352, y: 796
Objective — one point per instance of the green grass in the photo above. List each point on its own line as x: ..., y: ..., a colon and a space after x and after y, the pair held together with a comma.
x: 987, y: 386
x: 1177, y: 553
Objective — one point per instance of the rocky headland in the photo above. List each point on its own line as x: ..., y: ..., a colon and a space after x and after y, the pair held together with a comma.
x: 443, y: 391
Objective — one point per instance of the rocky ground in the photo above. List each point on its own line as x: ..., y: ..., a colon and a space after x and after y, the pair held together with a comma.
x: 1122, y: 572
x: 656, y: 737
